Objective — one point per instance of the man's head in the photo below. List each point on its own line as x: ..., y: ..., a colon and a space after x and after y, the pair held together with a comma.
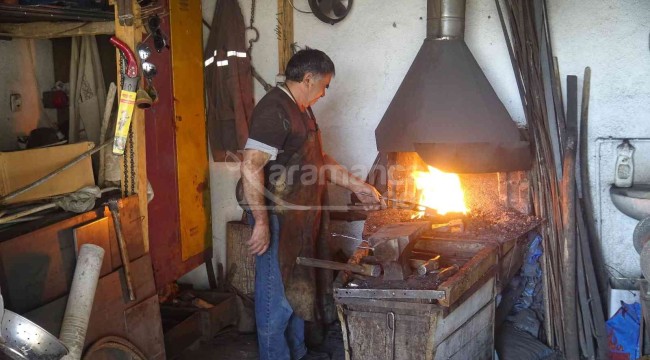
x: 311, y: 70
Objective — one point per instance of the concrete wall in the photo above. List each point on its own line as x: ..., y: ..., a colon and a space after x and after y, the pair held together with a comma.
x: 26, y: 68
x: 374, y: 47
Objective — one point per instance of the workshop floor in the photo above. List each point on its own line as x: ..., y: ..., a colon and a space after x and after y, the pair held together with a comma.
x: 230, y: 345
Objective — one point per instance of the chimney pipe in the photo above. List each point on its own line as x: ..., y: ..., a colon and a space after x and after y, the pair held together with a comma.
x: 445, y: 19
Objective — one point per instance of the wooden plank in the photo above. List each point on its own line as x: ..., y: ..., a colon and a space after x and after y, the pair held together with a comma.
x: 222, y: 315
x: 191, y: 144
x: 95, y: 233
x: 473, y: 340
x: 37, y: 268
x: 469, y: 274
x: 144, y: 327
x: 450, y: 248
x: 285, y: 33
x: 51, y: 30
x: 183, y: 335
x: 111, y: 300
x: 132, y: 35
x: 131, y: 229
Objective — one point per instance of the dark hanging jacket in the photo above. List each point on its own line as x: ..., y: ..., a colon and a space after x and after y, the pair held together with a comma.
x: 228, y: 81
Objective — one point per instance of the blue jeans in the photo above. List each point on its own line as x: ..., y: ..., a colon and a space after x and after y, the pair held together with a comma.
x: 280, y: 332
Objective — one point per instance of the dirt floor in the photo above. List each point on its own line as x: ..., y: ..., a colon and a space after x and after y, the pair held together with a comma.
x: 230, y: 345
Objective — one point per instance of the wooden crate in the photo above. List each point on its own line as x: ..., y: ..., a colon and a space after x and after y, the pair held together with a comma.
x: 191, y: 325
x: 376, y: 329
x: 454, y: 324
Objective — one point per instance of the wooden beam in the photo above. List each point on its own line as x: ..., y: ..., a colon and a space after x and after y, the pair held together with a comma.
x: 132, y: 35
x: 285, y: 33
x: 51, y: 30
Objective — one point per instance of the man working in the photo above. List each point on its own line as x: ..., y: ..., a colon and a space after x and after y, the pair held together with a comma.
x: 284, y: 166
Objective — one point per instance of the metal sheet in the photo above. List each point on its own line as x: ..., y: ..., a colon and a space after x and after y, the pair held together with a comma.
x: 390, y: 294
x: 164, y: 212
x: 189, y: 120
x: 445, y: 100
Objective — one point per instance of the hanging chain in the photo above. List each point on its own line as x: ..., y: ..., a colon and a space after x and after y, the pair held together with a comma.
x: 128, y: 160
x: 252, y: 13
x: 252, y: 27
x: 126, y: 173
x: 132, y: 156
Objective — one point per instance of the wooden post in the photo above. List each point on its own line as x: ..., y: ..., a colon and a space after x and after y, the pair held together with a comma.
x: 132, y: 35
x: 285, y: 34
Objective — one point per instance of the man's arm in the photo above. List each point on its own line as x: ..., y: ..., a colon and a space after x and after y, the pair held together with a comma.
x: 252, y: 172
x: 340, y: 176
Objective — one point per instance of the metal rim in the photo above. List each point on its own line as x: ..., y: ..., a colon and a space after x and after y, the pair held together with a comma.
x: 641, y: 234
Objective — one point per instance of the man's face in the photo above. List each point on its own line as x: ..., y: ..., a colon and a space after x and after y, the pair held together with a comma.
x: 316, y: 86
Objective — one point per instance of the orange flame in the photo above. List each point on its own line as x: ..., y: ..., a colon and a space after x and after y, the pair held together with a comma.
x: 440, y: 191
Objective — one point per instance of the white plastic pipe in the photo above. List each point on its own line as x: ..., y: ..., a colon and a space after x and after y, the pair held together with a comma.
x: 80, y: 300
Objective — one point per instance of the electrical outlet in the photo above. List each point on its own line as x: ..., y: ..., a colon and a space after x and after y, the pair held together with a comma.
x: 15, y: 102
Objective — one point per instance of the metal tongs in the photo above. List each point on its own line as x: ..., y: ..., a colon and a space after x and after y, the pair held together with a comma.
x: 385, y: 200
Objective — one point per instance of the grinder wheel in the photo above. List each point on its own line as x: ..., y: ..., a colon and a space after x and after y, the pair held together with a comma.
x: 641, y: 234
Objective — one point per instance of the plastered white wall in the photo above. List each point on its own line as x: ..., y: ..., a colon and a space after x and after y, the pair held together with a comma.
x: 26, y: 68
x: 612, y: 38
x: 374, y: 47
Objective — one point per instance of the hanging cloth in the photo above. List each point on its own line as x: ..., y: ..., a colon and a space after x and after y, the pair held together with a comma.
x: 87, y: 90
x: 228, y: 81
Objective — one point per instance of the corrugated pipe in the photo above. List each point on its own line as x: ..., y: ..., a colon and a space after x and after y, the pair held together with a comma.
x: 80, y: 300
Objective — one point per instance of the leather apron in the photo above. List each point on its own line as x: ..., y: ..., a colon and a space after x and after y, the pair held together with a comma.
x: 304, y: 228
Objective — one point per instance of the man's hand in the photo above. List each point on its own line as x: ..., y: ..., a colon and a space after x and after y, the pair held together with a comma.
x: 260, y: 239
x: 370, y: 197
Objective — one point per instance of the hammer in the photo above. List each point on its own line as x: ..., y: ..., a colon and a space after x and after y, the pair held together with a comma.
x: 114, y: 208
x: 363, y: 269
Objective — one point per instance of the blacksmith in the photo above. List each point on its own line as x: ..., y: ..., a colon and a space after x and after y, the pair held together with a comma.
x: 285, y: 174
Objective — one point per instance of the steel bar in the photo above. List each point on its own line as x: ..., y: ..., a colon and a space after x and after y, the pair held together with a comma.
x: 15, y: 13
x: 585, y: 325
x: 524, y: 47
x: 390, y: 294
x: 595, y: 302
x: 569, y: 220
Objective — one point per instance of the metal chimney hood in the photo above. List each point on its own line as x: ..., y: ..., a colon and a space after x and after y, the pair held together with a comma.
x: 446, y: 110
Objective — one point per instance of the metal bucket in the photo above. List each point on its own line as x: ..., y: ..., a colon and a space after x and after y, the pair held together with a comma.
x: 22, y: 339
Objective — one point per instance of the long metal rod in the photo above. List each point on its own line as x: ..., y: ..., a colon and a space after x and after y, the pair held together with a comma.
x: 569, y: 220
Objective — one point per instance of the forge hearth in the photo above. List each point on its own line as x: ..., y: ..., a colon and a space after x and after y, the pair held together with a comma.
x: 419, y: 317
x: 422, y: 317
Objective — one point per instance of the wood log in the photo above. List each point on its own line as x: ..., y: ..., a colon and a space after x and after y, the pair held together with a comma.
x: 243, y: 278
